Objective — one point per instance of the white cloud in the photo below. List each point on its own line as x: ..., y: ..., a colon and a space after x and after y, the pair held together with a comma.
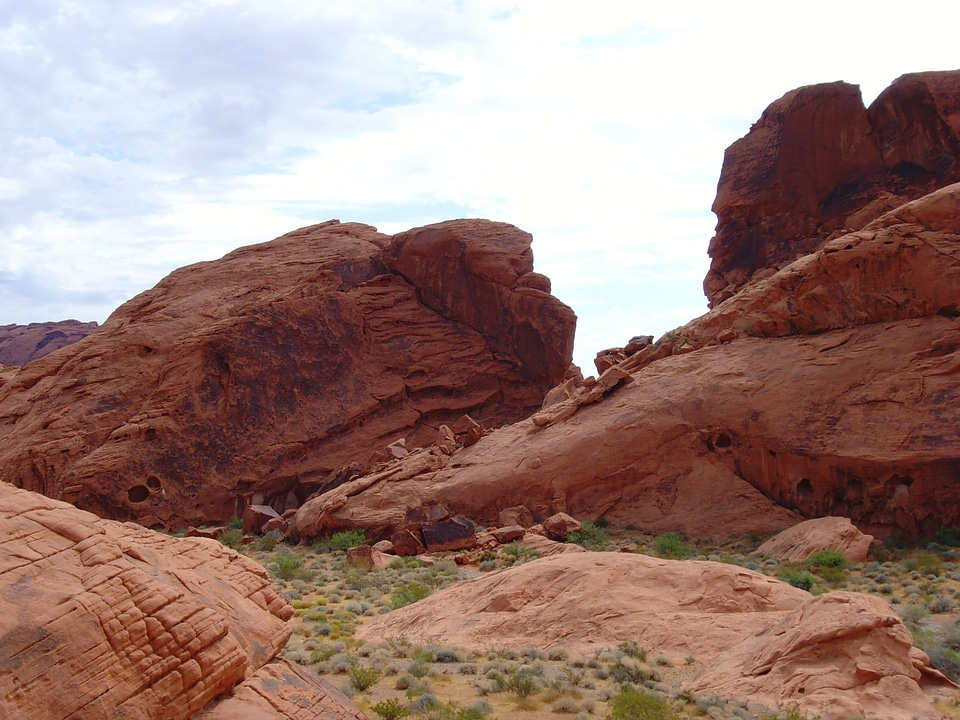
x: 138, y: 137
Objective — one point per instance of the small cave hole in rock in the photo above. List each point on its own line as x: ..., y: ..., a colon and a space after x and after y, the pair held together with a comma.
x: 147, y: 349
x: 949, y: 311
x: 138, y: 493
x: 723, y: 440
x: 153, y: 482
x: 772, y: 453
x: 805, y: 488
x: 150, y: 434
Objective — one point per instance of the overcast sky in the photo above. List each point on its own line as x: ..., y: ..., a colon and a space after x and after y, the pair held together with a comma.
x: 138, y: 137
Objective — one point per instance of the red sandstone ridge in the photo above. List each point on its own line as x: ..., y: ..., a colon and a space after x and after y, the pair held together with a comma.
x: 105, y: 620
x: 818, y: 163
x: 259, y: 376
x: 831, y: 387
x: 20, y: 344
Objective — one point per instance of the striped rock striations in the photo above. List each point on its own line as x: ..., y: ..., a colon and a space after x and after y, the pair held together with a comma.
x: 100, y: 619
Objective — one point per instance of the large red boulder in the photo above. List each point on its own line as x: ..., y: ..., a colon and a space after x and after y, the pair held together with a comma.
x: 285, y: 368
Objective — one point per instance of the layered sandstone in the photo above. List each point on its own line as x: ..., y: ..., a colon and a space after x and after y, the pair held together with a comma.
x: 818, y: 163
x: 829, y: 388
x: 100, y: 619
x: 753, y: 637
x: 20, y: 344
x: 284, y: 368
x: 812, y: 536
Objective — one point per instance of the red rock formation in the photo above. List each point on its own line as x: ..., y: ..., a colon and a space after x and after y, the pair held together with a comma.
x: 829, y: 388
x: 818, y: 162
x: 756, y: 638
x: 256, y: 378
x: 811, y: 536
x: 100, y: 619
x: 20, y: 344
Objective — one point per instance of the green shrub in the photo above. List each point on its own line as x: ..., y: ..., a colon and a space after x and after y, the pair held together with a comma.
x: 590, y: 536
x: 523, y: 684
x: 828, y: 559
x: 289, y: 567
x: 408, y: 594
x: 232, y: 537
x: 631, y: 648
x: 236, y: 523
x: 948, y: 536
x: 633, y: 704
x: 798, y: 578
x: 390, y: 709
x: 362, y: 678
x: 671, y: 545
x: 346, y: 539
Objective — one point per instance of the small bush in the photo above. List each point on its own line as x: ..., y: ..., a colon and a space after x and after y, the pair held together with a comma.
x: 589, y: 536
x: 346, y: 539
x: 631, y: 648
x: 288, y: 567
x: 948, y: 536
x: 231, y: 538
x: 671, y: 545
x: 798, y: 578
x: 523, y: 684
x: 408, y: 594
x: 633, y: 704
x: 362, y: 678
x: 236, y: 523
x: 828, y: 559
x: 390, y: 709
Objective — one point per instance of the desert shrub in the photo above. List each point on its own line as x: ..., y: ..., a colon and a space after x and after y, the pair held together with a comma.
x: 633, y: 704
x: 288, y: 567
x: 390, y: 709
x: 362, y: 678
x: 632, y: 671
x: 515, y: 552
x: 407, y: 594
x: 949, y: 536
x: 940, y: 605
x: 631, y: 648
x: 925, y: 563
x: 590, y: 536
x: 236, y: 523
x: 565, y: 705
x: 266, y: 543
x: 671, y: 545
x: 346, y: 539
x: 798, y: 578
x: 418, y: 668
x: 231, y: 538
x: 487, y: 565
x: 828, y: 559
x: 405, y: 682
x: 523, y: 684
x: 427, y: 701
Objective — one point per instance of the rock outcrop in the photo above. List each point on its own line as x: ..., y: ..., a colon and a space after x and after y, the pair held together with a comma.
x: 830, y: 387
x: 755, y: 638
x: 100, y: 619
x: 804, y: 539
x: 285, y: 368
x: 818, y: 163
x: 20, y: 344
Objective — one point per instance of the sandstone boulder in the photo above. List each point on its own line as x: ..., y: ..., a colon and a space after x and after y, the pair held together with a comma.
x: 559, y: 525
x: 20, y: 344
x: 100, y: 619
x: 259, y: 377
x: 757, y: 639
x: 518, y: 515
x: 818, y: 162
x: 827, y: 533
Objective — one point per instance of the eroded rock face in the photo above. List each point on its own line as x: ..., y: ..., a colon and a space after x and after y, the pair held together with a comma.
x: 20, y: 344
x: 100, y: 619
x: 284, y: 368
x: 757, y: 639
x: 818, y: 163
x: 829, y: 388
x: 799, y: 542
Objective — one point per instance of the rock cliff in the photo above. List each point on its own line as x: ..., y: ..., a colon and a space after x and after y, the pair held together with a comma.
x: 818, y: 163
x: 284, y: 368
x: 828, y: 387
x: 100, y: 619
x: 20, y: 344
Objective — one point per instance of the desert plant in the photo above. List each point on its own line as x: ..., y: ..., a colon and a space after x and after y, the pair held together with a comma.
x: 390, y: 709
x: 590, y: 536
x: 671, y: 545
x: 633, y: 704
x: 523, y: 684
x: 231, y: 537
x: 236, y: 523
x: 828, y: 559
x: 798, y: 578
x: 631, y: 648
x: 362, y: 678
x: 288, y: 567
x: 407, y: 594
x: 346, y: 539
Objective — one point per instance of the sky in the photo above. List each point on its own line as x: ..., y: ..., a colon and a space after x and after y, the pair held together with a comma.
x: 138, y: 137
